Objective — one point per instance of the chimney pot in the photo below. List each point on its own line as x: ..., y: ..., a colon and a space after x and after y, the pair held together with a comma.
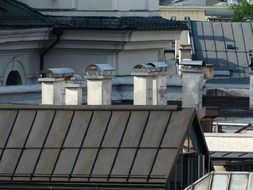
x: 99, y: 84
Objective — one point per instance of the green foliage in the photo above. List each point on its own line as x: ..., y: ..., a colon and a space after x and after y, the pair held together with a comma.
x: 243, y: 11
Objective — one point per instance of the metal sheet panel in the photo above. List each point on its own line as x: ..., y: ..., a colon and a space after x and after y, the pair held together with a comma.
x: 163, y: 163
x: 59, y: 129
x: 40, y: 128
x: 135, y: 128
x: 21, y: 128
x: 178, y: 126
x: 78, y: 128
x: 116, y: 128
x: 97, y: 128
x: 155, y: 128
x: 123, y: 163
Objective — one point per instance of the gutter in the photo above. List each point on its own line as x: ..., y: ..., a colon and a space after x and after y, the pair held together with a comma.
x: 58, y: 33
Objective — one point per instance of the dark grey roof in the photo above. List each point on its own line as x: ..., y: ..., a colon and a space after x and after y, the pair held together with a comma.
x: 225, y: 45
x: 14, y: 14
x: 119, y: 23
x: 231, y: 155
x: 116, y: 144
x: 225, y: 81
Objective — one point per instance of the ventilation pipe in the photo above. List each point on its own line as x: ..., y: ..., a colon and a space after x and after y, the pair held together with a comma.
x: 160, y: 73
x: 53, y: 85
x: 192, y: 76
x: 99, y: 84
x: 143, y: 84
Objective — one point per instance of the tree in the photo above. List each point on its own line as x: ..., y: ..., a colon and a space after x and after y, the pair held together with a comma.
x: 243, y: 11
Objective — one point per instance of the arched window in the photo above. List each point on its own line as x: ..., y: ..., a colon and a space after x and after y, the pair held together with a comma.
x: 14, y: 78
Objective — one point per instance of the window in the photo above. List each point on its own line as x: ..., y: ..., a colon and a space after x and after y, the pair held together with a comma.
x: 14, y: 78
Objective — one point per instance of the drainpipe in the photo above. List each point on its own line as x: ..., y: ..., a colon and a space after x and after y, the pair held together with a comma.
x: 57, y: 32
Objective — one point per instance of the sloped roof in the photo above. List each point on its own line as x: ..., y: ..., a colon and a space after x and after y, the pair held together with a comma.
x: 225, y: 45
x: 14, y: 14
x: 119, y: 23
x: 90, y: 145
x: 224, y: 181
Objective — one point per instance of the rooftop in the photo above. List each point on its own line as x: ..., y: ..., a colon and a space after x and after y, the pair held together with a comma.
x: 18, y: 15
x: 81, y: 145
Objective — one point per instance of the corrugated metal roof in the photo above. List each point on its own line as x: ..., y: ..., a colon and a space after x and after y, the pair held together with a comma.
x: 124, y: 144
x: 223, y: 44
x: 224, y: 181
x: 18, y: 15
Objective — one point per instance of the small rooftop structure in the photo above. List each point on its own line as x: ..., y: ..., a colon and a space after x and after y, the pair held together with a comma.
x: 98, y: 70
x: 224, y: 181
x: 58, y: 72
x: 193, y: 63
x: 159, y: 66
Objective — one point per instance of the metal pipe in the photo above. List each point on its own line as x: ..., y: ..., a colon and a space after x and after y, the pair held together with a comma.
x: 58, y: 33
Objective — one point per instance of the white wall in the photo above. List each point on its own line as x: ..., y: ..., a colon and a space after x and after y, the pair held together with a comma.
x: 96, y: 7
x: 25, y: 62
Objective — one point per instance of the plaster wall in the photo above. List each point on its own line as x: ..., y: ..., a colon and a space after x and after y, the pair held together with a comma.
x: 192, y: 89
x: 25, y: 62
x: 94, y: 4
x: 129, y: 58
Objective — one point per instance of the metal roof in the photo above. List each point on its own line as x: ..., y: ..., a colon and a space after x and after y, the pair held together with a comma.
x: 226, y: 45
x: 59, y: 72
x: 99, y: 67
x: 224, y: 181
x: 90, y: 144
x: 18, y: 15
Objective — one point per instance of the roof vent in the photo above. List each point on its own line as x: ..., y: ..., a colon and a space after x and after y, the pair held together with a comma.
x: 99, y: 84
x: 58, y: 72
x: 150, y: 83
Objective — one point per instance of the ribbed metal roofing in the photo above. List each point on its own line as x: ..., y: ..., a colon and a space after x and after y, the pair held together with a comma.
x: 116, y: 144
x: 14, y: 14
x: 225, y: 45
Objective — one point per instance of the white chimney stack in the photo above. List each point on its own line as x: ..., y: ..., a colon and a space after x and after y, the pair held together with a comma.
x: 192, y: 76
x: 99, y: 84
x: 159, y: 82
x: 143, y: 85
x: 73, y: 94
x: 53, y: 86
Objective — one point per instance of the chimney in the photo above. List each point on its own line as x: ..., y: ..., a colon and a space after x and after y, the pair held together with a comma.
x: 185, y: 52
x: 159, y: 82
x: 192, y: 76
x: 53, y: 85
x: 143, y: 84
x: 73, y: 94
x: 208, y: 71
x: 99, y: 84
